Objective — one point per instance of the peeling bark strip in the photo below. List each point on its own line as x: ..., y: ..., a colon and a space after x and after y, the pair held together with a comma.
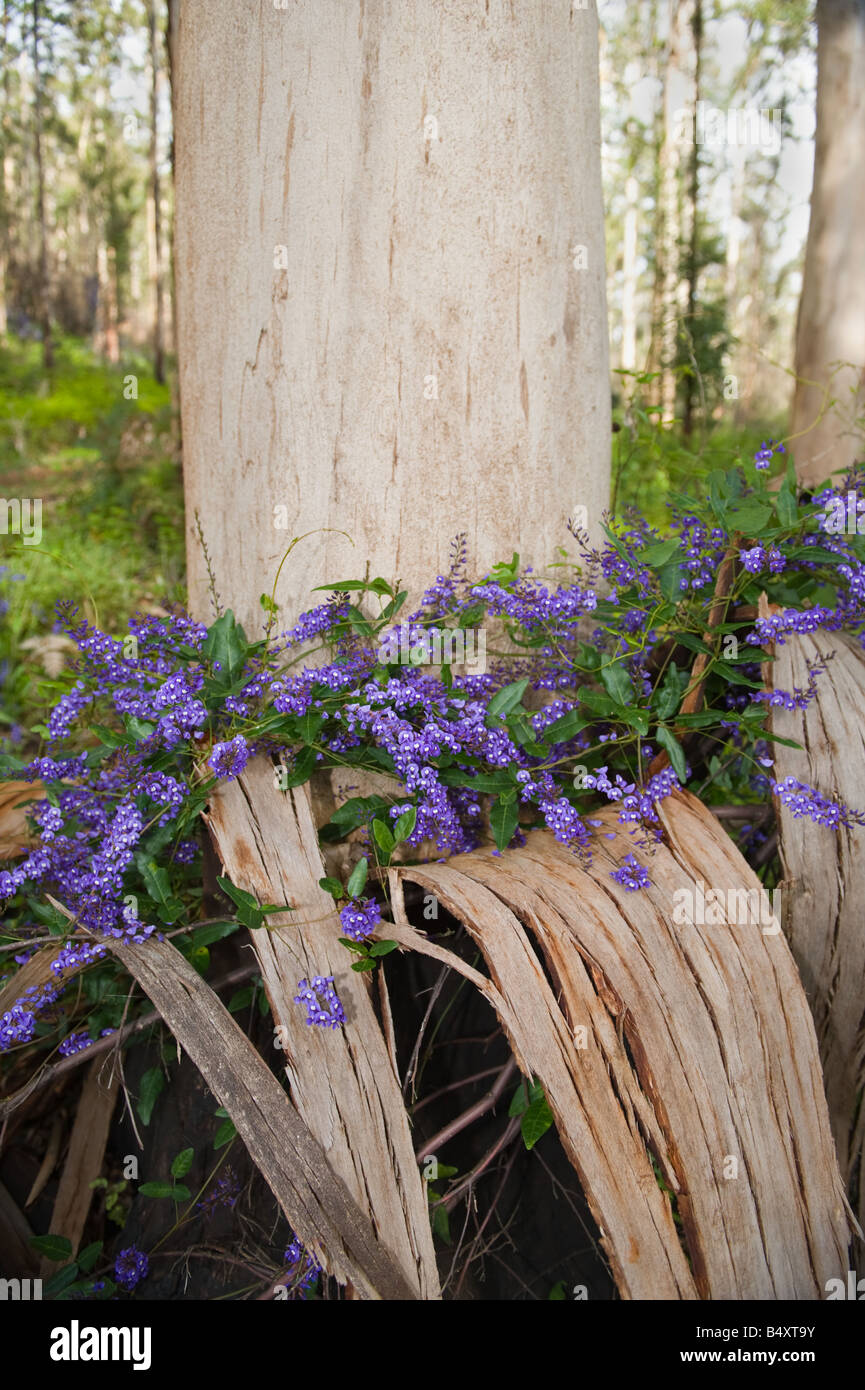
x: 342, y: 1080
x: 315, y: 1201
x: 721, y: 1058
x: 825, y: 874
x: 85, y: 1157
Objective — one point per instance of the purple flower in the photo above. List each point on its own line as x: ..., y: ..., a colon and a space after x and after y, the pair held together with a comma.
x: 130, y: 1267
x: 763, y: 456
x: 323, y: 1008
x: 75, y: 1042
x: 302, y: 1269
x: 360, y: 917
x: 229, y: 759
x: 631, y: 875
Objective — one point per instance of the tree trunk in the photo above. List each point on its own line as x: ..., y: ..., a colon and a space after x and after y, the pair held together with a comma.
x: 830, y: 334
x: 390, y: 320
x: 629, y: 274
x: 44, y: 287
x: 692, y: 266
x: 154, y: 210
x: 107, y: 339
x: 390, y: 288
x: 679, y: 117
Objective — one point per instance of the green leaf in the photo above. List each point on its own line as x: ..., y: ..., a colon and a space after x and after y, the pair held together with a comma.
x: 669, y: 697
x: 597, y: 700
x: 483, y: 782
x: 786, y: 505
x: 214, y: 931
x: 405, y: 824
x: 52, y: 1247
x: 304, y: 765
x: 333, y: 887
x: 635, y: 718
x: 504, y: 818
x: 88, y: 1256
x: 391, y: 609
x: 536, y: 1121
x: 226, y: 644
x: 248, y: 910
x: 357, y: 878
x: 519, y: 1101
x: 356, y: 946
x: 62, y: 1280
x: 152, y: 1086
x: 668, y: 740
x: 224, y: 1134
x: 366, y: 964
x: 176, y: 1191
x: 309, y: 725
x: 508, y: 698
x: 750, y: 517
x: 345, y: 586
x: 566, y: 727
x: 441, y: 1222
x: 383, y: 837
x: 670, y: 580
x: 660, y: 552
x: 241, y: 999
x: 383, y: 948
x: 617, y: 683
x: 182, y: 1163
x: 355, y: 812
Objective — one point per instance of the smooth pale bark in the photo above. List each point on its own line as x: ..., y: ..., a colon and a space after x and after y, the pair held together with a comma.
x: 831, y: 324
x: 44, y: 288
x: 390, y: 287
x: 154, y: 202
x: 390, y: 320
x: 679, y: 131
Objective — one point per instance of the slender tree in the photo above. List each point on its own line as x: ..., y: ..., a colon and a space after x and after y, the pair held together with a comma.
x: 44, y: 287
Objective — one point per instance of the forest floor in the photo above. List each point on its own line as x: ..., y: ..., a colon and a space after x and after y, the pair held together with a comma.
x: 98, y: 446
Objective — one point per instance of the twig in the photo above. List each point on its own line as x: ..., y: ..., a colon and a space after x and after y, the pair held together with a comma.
x: 49, y: 1074
x: 474, y: 1112
x: 471, y: 1178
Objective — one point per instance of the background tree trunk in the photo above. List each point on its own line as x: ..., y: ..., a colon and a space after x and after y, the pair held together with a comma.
x: 390, y: 287
x: 44, y: 286
x: 831, y: 324
x: 154, y: 209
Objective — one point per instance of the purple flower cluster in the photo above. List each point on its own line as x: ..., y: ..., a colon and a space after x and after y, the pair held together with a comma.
x: 802, y: 800
x: 764, y: 454
x: 760, y: 557
x: 360, y: 917
x: 302, y: 1269
x: 631, y: 875
x: 130, y: 1267
x: 323, y: 1008
x: 75, y: 1042
x: 224, y: 1193
x: 229, y: 759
